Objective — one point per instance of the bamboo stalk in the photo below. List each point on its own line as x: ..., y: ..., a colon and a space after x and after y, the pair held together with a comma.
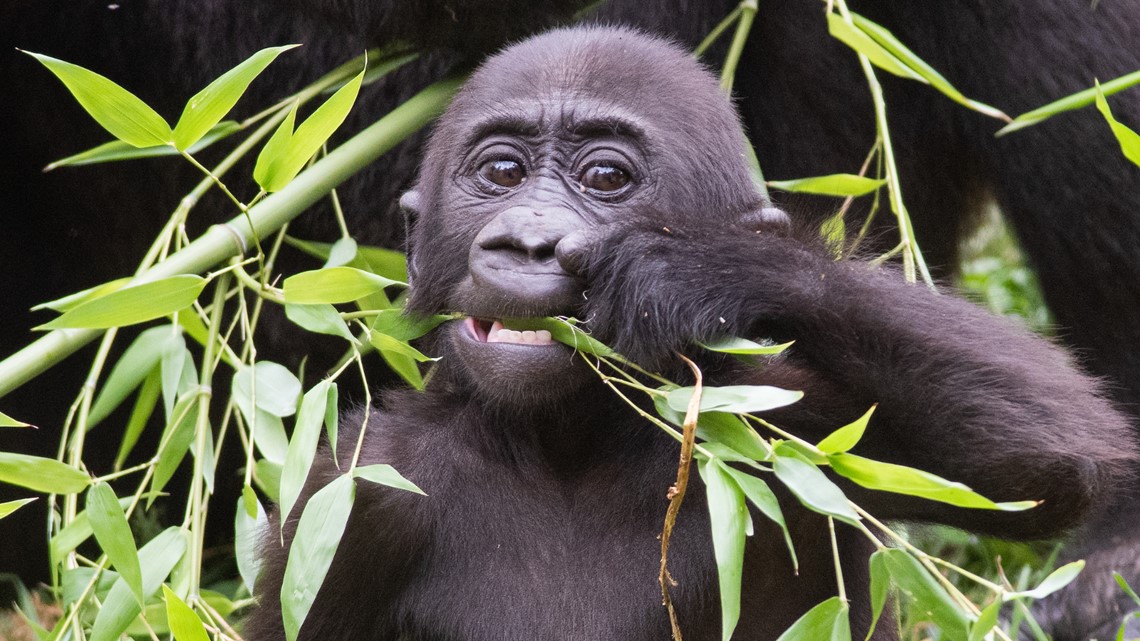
x: 220, y: 242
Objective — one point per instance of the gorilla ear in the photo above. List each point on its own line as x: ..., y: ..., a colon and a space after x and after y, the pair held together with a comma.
x: 411, y: 203
x: 767, y: 219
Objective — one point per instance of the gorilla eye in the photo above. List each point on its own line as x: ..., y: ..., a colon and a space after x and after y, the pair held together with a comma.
x: 607, y: 178
x: 504, y: 172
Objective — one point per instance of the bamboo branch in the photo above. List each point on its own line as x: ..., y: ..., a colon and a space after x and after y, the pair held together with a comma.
x: 221, y: 242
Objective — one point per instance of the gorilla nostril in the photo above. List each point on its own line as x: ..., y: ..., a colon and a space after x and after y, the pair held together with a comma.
x: 525, y: 248
x: 543, y: 253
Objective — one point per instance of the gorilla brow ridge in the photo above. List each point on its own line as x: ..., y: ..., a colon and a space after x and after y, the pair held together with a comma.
x: 508, y: 124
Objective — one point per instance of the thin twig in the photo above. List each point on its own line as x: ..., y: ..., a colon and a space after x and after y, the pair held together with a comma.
x: 677, y: 491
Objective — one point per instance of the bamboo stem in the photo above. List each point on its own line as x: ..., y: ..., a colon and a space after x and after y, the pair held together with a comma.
x: 220, y: 242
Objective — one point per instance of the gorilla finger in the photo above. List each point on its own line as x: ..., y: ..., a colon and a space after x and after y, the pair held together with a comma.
x: 575, y: 251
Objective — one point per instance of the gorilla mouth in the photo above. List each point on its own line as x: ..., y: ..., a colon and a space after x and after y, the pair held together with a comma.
x: 493, y: 331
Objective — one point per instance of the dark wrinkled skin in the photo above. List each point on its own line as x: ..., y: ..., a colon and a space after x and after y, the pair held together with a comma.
x: 546, y: 492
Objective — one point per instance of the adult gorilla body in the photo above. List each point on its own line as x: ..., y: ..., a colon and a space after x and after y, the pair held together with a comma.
x: 601, y: 173
x: 1070, y: 196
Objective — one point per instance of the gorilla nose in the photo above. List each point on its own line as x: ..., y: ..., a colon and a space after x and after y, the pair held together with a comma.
x: 513, y: 258
x: 525, y: 234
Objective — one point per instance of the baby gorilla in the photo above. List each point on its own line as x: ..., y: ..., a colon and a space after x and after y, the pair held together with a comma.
x: 601, y: 173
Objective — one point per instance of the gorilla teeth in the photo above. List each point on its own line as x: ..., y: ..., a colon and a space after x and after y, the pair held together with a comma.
x: 496, y: 333
x: 526, y: 337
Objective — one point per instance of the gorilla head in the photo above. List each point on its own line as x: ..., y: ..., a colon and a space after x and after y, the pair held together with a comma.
x: 550, y: 140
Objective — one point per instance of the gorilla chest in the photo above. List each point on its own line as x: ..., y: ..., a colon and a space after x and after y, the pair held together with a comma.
x: 525, y: 566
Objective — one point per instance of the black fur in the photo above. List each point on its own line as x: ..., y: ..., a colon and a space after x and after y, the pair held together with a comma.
x: 543, y: 509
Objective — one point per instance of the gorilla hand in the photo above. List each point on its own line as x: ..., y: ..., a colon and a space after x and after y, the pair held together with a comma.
x: 654, y: 285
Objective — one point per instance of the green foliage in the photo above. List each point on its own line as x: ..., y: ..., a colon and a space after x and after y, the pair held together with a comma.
x: 315, y: 543
x: 1078, y: 100
x: 833, y: 185
x: 827, y: 621
x: 994, y: 271
x: 133, y: 304
x: 1129, y: 140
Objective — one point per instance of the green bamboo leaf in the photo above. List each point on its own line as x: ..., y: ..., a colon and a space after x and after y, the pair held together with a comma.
x: 334, y: 285
x: 733, y: 345
x: 892, y: 44
x: 157, y: 558
x: 173, y: 370
x: 378, y: 260
x: 310, y: 136
x: 72, y: 300
x: 385, y: 262
x: 762, y: 496
x: 75, y: 581
x: 76, y: 532
x: 847, y: 436
x: 827, y: 621
x: 183, y: 623
x: 275, y: 148
x: 132, y: 305
x: 986, y: 621
x: 321, y: 318
x: 917, y: 583
x: 271, y: 387
x: 133, y: 367
x: 332, y: 416
x: 109, y: 523
x: 342, y: 252
x: 864, y: 44
x: 385, y: 474
x: 386, y: 66
x: 270, y: 439
x: 143, y: 409
x: 8, y: 507
x: 888, y: 477
x: 117, y: 110
x: 1123, y: 630
x: 41, y: 474
x: 719, y: 427
x: 404, y: 327
x: 833, y: 185
x: 810, y: 485
x: 880, y: 587
x: 834, y: 233
x: 176, y: 439
x: 729, y: 519
x: 303, y: 446
x: 1069, y: 103
x: 117, y: 150
x: 735, y: 399
x: 211, y: 104
x: 728, y: 429
x: 1129, y: 140
x: 564, y: 331
x: 311, y: 554
x: 8, y: 421
x: 267, y: 475
x: 386, y: 343
x: 405, y: 366
x: 1056, y: 580
x: 1126, y: 587
x: 154, y: 620
x: 247, y: 533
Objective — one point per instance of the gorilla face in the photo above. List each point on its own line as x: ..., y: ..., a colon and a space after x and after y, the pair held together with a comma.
x: 527, y: 168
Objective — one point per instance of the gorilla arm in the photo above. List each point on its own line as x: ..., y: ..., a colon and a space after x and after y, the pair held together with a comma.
x: 961, y: 393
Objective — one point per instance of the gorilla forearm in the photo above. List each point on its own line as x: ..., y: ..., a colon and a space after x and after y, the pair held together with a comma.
x: 961, y: 393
